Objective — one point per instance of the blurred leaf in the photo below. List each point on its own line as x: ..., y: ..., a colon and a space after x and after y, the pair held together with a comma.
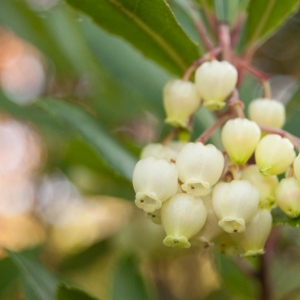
x: 128, y: 283
x: 8, y: 273
x: 235, y: 281
x: 37, y: 280
x: 279, y: 218
x: 69, y: 293
x: 227, y: 11
x: 150, y: 26
x: 94, y: 134
x: 264, y: 17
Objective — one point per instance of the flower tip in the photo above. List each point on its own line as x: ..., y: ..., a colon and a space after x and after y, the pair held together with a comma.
x: 232, y: 224
x: 254, y: 252
x: 176, y: 242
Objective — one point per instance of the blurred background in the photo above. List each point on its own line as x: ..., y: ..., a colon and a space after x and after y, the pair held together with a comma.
x: 61, y: 203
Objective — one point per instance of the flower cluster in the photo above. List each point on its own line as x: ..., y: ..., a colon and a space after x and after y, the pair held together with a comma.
x: 202, y: 195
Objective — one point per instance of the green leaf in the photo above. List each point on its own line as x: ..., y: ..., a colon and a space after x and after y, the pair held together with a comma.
x: 128, y: 283
x: 279, y: 218
x: 264, y: 17
x: 69, y: 293
x: 38, y: 282
x: 150, y: 26
x: 115, y: 156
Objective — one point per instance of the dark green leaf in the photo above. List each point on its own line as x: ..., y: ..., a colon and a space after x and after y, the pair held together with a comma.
x: 38, y: 282
x: 69, y: 293
x: 235, y: 281
x: 279, y: 218
x: 150, y: 26
x: 264, y: 17
x: 128, y: 283
x: 94, y: 134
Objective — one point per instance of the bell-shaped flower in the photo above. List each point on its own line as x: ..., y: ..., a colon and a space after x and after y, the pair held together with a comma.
x: 158, y: 151
x: 215, y: 80
x: 155, y: 216
x: 199, y: 167
x: 296, y: 166
x: 274, y: 154
x: 266, y: 186
x: 253, y: 239
x: 204, y: 238
x: 288, y: 196
x: 226, y: 245
x: 267, y: 112
x: 240, y: 138
x: 154, y: 181
x: 182, y: 216
x: 181, y: 101
x: 235, y: 203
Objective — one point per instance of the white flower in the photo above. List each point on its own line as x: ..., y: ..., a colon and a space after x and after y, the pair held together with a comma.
x: 182, y: 216
x: 215, y: 80
x: 158, y: 151
x: 155, y: 216
x: 154, y: 181
x: 288, y: 196
x: 266, y: 186
x: 274, y: 154
x: 253, y: 239
x: 199, y: 168
x: 235, y: 203
x: 296, y: 166
x: 240, y: 138
x: 267, y: 112
x: 181, y: 101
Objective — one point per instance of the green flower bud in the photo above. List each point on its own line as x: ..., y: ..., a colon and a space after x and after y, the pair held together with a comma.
x: 288, y: 196
x: 267, y: 112
x: 215, y: 80
x: 253, y: 239
x: 274, y: 154
x: 265, y: 184
x: 181, y: 101
x: 182, y: 217
x: 240, y: 138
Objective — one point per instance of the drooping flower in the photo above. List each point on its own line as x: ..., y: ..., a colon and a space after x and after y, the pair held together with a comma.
x: 199, y: 167
x: 154, y: 181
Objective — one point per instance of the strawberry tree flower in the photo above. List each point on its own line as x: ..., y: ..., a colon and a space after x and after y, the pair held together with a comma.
x: 181, y: 101
x: 274, y: 154
x: 266, y: 186
x: 159, y: 151
x: 240, y: 138
x: 199, y: 167
x: 288, y: 196
x: 253, y: 239
x: 235, y: 203
x: 154, y: 181
x: 155, y: 216
x: 267, y: 112
x: 296, y: 166
x: 182, y: 216
x: 215, y: 80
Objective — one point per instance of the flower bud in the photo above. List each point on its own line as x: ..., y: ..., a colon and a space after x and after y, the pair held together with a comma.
x: 253, y: 239
x: 235, y: 203
x: 199, y: 167
x: 240, y: 138
x: 265, y: 184
x: 215, y: 80
x: 296, y: 167
x: 274, y: 154
x: 267, y: 112
x: 181, y: 100
x: 182, y: 216
x: 154, y: 181
x: 288, y: 196
x: 158, y: 151
x: 211, y: 229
